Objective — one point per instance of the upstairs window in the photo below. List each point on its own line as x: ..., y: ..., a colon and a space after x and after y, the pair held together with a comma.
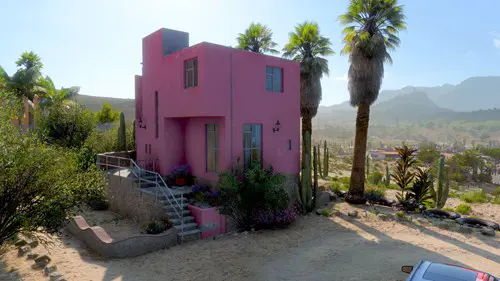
x: 274, y: 79
x: 191, y: 73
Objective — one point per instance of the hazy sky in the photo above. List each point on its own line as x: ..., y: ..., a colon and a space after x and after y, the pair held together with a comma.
x: 97, y: 44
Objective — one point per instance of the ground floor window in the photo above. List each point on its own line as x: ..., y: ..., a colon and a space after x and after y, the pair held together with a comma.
x: 212, y: 147
x: 252, y: 144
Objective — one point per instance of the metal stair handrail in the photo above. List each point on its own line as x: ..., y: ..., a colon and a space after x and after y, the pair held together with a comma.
x: 133, y: 165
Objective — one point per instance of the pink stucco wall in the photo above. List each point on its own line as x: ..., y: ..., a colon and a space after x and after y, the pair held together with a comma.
x: 231, y: 92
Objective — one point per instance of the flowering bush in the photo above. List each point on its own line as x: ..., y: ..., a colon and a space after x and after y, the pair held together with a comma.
x: 254, y: 197
x: 277, y: 218
x: 181, y: 171
x: 203, y: 196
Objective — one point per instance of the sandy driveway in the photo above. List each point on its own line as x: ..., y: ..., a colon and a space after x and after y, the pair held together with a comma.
x: 314, y: 248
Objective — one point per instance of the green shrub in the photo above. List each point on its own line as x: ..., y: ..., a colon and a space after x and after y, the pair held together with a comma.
x: 453, y: 194
x: 474, y: 196
x: 375, y: 177
x: 336, y: 186
x: 393, y: 186
x: 66, y: 125
x: 495, y: 200
x: 155, y: 228
x: 448, y: 209
x: 326, y: 213
x: 40, y: 185
x: 254, y: 197
x: 400, y: 215
x: 373, y: 194
x: 463, y: 209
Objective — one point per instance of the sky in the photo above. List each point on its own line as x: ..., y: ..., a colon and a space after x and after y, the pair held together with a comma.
x: 97, y: 44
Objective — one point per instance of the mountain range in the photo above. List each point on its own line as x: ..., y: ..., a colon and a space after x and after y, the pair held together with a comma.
x: 474, y: 99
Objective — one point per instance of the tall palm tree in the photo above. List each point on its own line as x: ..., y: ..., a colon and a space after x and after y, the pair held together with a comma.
x: 258, y: 39
x: 54, y: 96
x: 371, y: 29
x: 307, y: 46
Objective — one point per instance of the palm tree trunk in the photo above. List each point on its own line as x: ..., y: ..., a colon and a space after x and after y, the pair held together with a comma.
x: 357, y: 186
x: 306, y: 127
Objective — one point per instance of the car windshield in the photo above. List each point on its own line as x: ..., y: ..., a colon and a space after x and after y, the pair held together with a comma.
x: 444, y: 272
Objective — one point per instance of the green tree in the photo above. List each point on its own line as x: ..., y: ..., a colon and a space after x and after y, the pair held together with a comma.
x: 428, y: 153
x: 54, y: 96
x: 40, y: 185
x: 107, y: 114
x: 257, y: 38
x: 371, y: 28
x: 67, y: 126
x: 309, y: 47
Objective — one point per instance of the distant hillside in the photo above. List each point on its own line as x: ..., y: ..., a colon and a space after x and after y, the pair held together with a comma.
x: 415, y: 106
x: 94, y: 103
x: 474, y: 93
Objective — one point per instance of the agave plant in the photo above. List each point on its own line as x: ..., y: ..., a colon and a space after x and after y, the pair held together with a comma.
x: 421, y: 190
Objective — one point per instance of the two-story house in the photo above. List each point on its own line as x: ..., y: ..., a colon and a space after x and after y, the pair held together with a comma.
x: 208, y: 105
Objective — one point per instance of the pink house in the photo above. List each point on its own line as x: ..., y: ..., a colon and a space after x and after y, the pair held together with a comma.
x: 208, y: 105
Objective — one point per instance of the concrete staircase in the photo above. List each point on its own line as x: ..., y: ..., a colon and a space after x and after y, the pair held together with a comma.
x: 187, y: 228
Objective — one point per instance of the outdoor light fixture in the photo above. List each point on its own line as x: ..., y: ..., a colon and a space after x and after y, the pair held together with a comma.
x: 277, y: 126
x: 140, y: 124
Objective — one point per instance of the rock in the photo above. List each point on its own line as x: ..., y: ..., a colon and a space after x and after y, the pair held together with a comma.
x: 32, y: 256
x: 465, y: 229
x: 54, y: 276
x: 323, y: 199
x: 49, y: 269
x: 21, y: 243
x: 34, y: 244
x: 446, y: 224
x: 353, y: 213
x: 383, y: 217
x: 42, y: 261
x: 319, y: 212
x: 42, y: 258
x: 245, y: 232
x: 422, y: 221
x: 487, y: 231
x: 23, y: 250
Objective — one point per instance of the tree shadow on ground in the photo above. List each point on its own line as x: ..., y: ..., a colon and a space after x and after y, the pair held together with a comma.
x: 314, y: 248
x: 468, y: 247
x: 7, y: 274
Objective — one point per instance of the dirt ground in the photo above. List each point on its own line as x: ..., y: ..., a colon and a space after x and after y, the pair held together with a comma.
x: 313, y: 248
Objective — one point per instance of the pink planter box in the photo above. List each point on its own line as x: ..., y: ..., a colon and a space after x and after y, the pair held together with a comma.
x: 209, y: 220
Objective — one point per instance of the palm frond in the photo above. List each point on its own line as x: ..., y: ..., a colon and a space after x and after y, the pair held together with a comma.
x: 257, y: 38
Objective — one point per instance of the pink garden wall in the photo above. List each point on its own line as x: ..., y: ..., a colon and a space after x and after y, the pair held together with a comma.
x: 231, y: 92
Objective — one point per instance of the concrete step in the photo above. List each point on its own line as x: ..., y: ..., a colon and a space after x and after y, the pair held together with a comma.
x: 186, y: 219
x: 186, y: 227
x: 166, y: 204
x: 174, y: 214
x: 188, y: 236
x: 170, y: 208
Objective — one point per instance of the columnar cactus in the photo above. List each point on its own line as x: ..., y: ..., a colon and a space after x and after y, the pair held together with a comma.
x: 325, y: 160
x: 441, y: 194
x: 367, y: 166
x: 387, y: 180
x: 320, y: 171
x: 315, y: 165
x: 122, y: 136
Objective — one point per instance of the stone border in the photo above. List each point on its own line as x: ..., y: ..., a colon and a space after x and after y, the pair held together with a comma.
x: 97, y: 239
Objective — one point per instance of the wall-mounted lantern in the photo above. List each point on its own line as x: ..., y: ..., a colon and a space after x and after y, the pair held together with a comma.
x: 141, y: 125
x: 277, y: 126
